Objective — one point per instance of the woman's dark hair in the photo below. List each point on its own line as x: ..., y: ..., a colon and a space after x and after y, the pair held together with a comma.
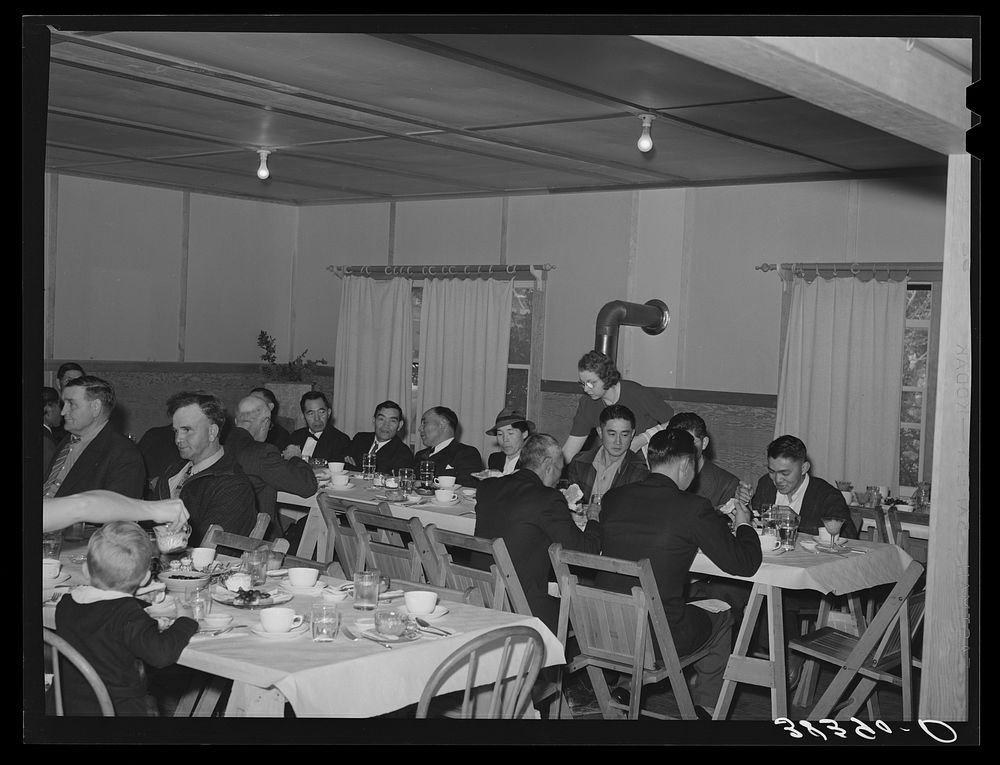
x: 601, y: 365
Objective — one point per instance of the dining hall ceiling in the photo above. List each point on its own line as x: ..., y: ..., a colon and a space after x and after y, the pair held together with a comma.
x: 361, y: 117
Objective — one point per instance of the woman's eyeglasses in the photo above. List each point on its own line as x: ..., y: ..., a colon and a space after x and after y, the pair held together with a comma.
x: 590, y: 385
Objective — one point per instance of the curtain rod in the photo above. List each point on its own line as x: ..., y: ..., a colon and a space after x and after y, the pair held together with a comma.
x: 914, y: 270
x: 443, y: 271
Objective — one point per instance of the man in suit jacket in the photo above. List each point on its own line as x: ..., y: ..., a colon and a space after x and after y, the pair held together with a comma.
x: 789, y: 483
x: 262, y: 462
x: 318, y: 440
x: 277, y: 435
x: 657, y: 519
x: 450, y: 457
x: 530, y: 514
x: 714, y: 483
x: 93, y: 455
x: 611, y: 463
x: 208, y: 480
x: 52, y: 430
x: 390, y: 451
x: 511, y: 430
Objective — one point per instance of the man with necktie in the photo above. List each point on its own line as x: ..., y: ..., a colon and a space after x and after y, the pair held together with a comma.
x: 450, y: 456
x: 319, y: 439
x: 52, y: 429
x: 93, y: 455
x: 391, y: 453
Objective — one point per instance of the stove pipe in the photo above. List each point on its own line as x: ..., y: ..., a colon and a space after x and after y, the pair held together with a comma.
x: 652, y: 316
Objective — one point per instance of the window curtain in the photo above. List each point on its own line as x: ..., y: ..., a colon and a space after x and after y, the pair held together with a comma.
x: 839, y: 389
x: 464, y: 342
x: 374, y: 350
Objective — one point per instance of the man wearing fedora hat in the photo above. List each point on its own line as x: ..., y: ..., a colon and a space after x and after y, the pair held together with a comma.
x: 510, y: 431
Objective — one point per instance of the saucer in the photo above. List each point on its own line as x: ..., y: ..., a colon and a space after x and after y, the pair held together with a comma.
x: 437, y: 613
x: 446, y: 504
x: 335, y: 596
x: 63, y: 576
x: 290, y: 635
x: 316, y: 589
x: 345, y: 487
x: 774, y: 553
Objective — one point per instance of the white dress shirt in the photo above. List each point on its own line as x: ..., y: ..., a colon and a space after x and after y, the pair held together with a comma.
x: 794, y: 501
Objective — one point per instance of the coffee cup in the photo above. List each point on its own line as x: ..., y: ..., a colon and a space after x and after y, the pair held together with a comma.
x: 340, y: 479
x: 420, y: 602
x: 769, y: 542
x: 445, y: 481
x: 335, y: 467
x: 279, y: 619
x: 50, y: 568
x: 445, y: 496
x: 302, y: 577
x: 202, y: 557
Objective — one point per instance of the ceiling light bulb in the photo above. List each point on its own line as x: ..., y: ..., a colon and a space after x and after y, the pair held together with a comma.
x: 645, y: 142
x: 262, y: 172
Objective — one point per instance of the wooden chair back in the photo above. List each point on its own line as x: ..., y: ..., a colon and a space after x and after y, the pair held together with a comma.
x: 510, y: 694
x: 389, y: 544
x: 499, y: 586
x: 890, y: 528
x: 215, y: 536
x: 61, y: 648
x: 471, y: 596
x: 617, y: 631
x: 329, y: 535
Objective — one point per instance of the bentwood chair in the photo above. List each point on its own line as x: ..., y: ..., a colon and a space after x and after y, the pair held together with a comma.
x: 394, y: 546
x: 510, y: 694
x: 886, y: 645
x: 61, y: 648
x: 617, y: 631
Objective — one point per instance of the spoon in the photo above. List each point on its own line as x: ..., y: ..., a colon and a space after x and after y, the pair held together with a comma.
x: 428, y: 626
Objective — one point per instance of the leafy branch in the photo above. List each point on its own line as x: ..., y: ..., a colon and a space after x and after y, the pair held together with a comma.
x: 295, y: 370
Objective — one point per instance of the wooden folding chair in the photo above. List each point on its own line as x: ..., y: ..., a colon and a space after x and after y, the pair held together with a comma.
x: 390, y: 545
x: 215, y: 536
x: 471, y: 596
x: 61, y: 647
x: 885, y: 645
x: 617, y: 631
x: 510, y: 695
x: 492, y: 584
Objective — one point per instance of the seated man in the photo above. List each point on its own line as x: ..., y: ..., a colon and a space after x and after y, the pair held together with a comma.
x: 530, y: 514
x: 511, y: 430
x: 52, y: 430
x: 277, y: 436
x: 450, y: 457
x: 789, y: 483
x: 318, y: 440
x: 93, y: 455
x: 262, y: 463
x: 611, y: 463
x: 70, y: 370
x: 207, y: 479
x: 390, y: 451
x: 656, y: 518
x: 714, y: 483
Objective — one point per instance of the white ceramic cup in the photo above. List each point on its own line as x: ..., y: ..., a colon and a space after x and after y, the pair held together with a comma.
x: 50, y: 568
x: 420, y: 602
x: 335, y: 467
x: 202, y: 557
x: 445, y: 481
x: 340, y: 479
x: 302, y: 577
x: 279, y: 619
x: 769, y: 542
x: 445, y: 496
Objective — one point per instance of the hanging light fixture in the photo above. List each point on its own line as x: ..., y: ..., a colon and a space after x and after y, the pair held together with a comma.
x: 262, y: 172
x: 645, y: 142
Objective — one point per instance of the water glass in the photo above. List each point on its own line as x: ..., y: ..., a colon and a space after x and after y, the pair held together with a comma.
x: 51, y: 544
x: 325, y: 620
x: 378, y: 480
x: 368, y: 466
x: 426, y: 473
x: 367, y: 585
x: 255, y: 564
x: 404, y: 479
x: 200, y: 604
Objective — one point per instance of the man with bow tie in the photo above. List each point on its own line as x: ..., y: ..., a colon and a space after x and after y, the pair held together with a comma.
x: 391, y: 453
x: 319, y: 440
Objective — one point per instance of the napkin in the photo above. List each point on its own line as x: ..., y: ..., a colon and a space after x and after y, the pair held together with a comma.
x: 573, y: 495
x: 712, y: 604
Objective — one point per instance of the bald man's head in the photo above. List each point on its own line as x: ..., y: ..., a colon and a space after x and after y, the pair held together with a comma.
x: 254, y: 415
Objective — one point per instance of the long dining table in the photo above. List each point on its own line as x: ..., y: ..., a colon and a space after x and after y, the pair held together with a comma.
x: 869, y: 564
x: 342, y: 678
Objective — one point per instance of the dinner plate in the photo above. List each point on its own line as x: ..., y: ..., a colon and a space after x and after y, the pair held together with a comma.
x: 316, y: 589
x: 63, y: 576
x: 437, y: 613
x: 345, y: 487
x: 406, y: 637
x: 290, y: 635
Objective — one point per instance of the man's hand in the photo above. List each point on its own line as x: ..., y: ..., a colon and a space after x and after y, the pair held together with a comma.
x: 349, y: 460
x: 742, y: 514
x: 291, y: 451
x: 593, y: 511
x: 743, y: 493
x: 170, y: 511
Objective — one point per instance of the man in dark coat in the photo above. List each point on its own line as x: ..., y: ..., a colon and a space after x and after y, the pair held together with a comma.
x: 277, y: 436
x: 611, y: 462
x: 390, y: 451
x: 530, y: 514
x: 319, y: 439
x: 93, y: 455
x: 450, y: 457
x: 657, y: 519
x: 52, y: 429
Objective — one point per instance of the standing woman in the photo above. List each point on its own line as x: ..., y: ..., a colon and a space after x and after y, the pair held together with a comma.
x: 602, y: 386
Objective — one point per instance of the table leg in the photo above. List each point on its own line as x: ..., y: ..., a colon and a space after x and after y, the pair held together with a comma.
x: 247, y: 700
x: 770, y: 672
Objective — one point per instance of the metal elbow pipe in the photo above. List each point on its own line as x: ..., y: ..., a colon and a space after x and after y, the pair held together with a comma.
x: 653, y: 316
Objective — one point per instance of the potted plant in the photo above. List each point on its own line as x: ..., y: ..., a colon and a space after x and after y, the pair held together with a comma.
x: 288, y: 380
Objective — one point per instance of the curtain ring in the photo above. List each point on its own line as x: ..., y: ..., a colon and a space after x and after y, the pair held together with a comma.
x: 491, y: 268
x: 465, y: 270
x: 909, y: 44
x: 817, y: 270
x: 834, y: 270
x: 907, y: 277
x: 430, y: 270
x: 479, y: 269
x: 511, y: 269
x: 408, y: 270
x: 855, y: 269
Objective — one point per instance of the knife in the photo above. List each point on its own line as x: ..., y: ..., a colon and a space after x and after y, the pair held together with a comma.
x: 376, y: 640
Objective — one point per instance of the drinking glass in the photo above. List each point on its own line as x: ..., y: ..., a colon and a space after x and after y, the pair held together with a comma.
x: 51, y: 544
x: 325, y: 620
x: 255, y: 564
x: 404, y: 479
x: 833, y: 525
x: 426, y: 473
x: 368, y: 466
x: 200, y: 603
x: 366, y: 589
x: 788, y: 527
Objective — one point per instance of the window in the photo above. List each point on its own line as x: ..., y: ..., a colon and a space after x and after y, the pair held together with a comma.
x: 917, y: 384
